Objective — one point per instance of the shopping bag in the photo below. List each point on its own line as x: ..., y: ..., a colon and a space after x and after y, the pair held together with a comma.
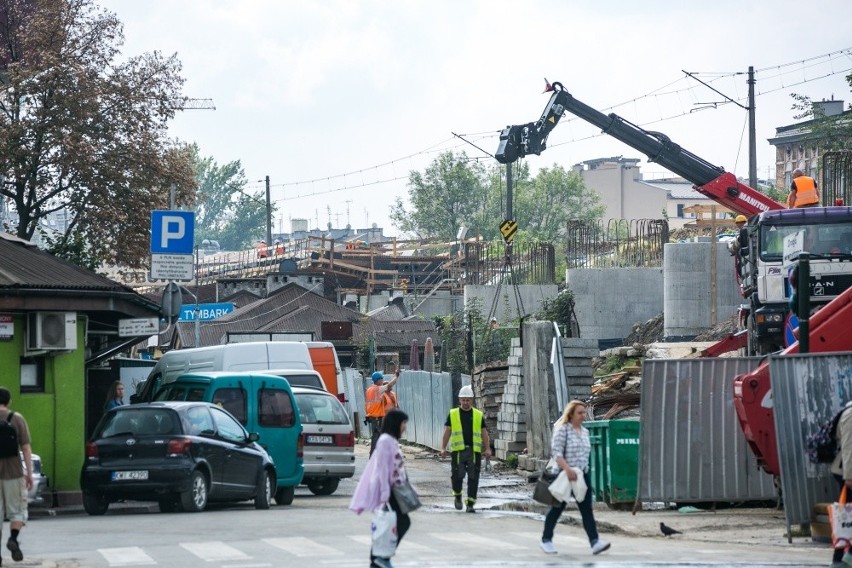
x: 406, y: 497
x: 383, y: 531
x: 561, y: 487
x: 840, y: 517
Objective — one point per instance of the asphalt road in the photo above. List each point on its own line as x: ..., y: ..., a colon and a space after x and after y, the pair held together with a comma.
x: 321, y: 531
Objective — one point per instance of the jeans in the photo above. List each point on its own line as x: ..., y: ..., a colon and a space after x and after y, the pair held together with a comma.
x: 586, y: 512
x: 375, y: 432
x: 403, y: 523
x: 465, y: 462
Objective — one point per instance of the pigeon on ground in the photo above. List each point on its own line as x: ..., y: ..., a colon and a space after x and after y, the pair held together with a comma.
x: 668, y: 531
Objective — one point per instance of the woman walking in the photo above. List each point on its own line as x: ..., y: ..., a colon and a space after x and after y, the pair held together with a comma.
x: 570, y: 447
x: 115, y: 396
x: 385, y: 468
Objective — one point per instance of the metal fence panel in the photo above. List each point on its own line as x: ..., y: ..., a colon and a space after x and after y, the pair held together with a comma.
x: 691, y: 446
x: 807, y: 390
x: 353, y: 386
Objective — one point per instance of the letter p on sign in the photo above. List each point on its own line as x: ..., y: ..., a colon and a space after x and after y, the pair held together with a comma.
x: 172, y: 232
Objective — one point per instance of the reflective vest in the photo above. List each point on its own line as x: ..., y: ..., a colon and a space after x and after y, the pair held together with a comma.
x: 390, y: 401
x: 375, y: 403
x: 806, y: 193
x: 456, y: 435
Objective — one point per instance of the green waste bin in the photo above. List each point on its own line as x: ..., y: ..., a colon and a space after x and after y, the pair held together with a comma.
x: 614, y: 461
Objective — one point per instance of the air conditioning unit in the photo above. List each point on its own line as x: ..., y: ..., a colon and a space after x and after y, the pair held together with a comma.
x: 52, y: 331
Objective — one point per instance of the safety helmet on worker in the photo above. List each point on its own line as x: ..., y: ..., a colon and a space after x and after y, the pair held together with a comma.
x: 741, y: 219
x: 466, y: 392
x: 377, y: 376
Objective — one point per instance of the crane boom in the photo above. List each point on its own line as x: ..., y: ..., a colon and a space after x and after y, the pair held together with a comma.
x: 710, y: 180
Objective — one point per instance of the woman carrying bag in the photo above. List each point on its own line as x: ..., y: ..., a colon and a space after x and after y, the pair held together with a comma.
x: 570, y: 447
x: 374, y: 493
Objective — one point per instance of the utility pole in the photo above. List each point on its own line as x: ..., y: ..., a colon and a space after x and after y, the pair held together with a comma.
x: 752, y: 135
x: 268, y: 215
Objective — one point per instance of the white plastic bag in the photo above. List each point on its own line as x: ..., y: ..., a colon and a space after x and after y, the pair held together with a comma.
x: 562, y: 487
x: 383, y: 531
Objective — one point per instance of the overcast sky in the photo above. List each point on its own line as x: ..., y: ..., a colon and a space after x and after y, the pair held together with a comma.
x: 332, y: 100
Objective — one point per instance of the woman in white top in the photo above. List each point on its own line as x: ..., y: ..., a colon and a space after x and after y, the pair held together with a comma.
x: 570, y: 447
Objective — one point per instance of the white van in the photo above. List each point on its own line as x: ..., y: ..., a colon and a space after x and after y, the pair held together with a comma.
x: 252, y: 356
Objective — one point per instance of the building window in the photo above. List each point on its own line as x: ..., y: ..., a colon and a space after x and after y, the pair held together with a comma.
x: 680, y: 210
x: 32, y: 374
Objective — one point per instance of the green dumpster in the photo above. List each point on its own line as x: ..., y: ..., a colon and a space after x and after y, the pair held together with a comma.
x: 614, y: 461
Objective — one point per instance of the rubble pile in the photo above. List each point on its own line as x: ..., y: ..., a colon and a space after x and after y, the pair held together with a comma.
x: 616, y: 395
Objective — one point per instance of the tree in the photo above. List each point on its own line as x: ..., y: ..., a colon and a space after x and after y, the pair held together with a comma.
x: 85, y: 134
x: 831, y: 132
x: 223, y: 210
x: 443, y: 198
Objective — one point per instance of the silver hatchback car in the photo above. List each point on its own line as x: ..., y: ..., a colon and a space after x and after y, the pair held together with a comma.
x: 37, y: 496
x: 328, y: 440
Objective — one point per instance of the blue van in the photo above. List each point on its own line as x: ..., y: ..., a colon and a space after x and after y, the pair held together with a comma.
x: 262, y: 403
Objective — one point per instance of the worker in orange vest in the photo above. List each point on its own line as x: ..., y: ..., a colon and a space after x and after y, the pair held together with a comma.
x: 378, y: 404
x: 261, y: 249
x: 803, y: 191
x: 279, y: 248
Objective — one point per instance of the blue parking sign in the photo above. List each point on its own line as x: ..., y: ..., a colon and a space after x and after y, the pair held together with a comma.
x: 172, y: 232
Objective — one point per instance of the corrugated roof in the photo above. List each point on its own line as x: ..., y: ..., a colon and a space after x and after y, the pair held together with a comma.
x: 24, y: 265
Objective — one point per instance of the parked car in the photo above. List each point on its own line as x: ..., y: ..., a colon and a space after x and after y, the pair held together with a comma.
x: 328, y: 440
x: 36, y: 495
x: 180, y: 454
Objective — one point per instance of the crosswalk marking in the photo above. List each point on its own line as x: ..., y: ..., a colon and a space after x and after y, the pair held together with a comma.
x: 406, y: 545
x: 302, y: 547
x: 127, y: 556
x: 214, y: 551
x: 472, y: 540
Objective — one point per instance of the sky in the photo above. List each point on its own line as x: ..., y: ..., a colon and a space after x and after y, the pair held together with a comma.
x: 337, y: 101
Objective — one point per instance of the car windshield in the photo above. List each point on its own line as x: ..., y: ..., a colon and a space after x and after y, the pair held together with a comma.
x: 306, y: 380
x: 823, y: 239
x: 320, y: 409
x: 139, y: 422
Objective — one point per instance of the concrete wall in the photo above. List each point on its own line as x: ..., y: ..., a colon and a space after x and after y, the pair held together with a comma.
x: 622, y: 192
x: 608, y: 301
x: 687, y: 297
x: 506, y: 306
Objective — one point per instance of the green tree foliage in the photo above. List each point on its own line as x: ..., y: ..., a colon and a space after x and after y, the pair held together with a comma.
x: 560, y: 310
x: 443, y: 198
x: 831, y: 132
x: 83, y: 133
x: 224, y: 211
x: 455, y: 192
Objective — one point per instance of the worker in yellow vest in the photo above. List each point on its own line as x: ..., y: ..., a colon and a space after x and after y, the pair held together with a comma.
x: 803, y: 191
x: 468, y: 440
x: 378, y: 403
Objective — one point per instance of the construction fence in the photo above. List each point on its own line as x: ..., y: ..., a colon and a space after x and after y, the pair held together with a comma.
x: 617, y: 243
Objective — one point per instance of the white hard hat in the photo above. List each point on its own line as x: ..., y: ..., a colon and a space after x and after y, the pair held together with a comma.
x: 466, y: 392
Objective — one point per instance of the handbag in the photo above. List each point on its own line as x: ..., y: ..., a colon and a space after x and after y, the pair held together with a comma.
x: 383, y: 532
x: 541, y: 492
x: 840, y: 517
x: 406, y: 497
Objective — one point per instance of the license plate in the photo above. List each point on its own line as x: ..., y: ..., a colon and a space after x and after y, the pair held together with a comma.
x: 140, y: 475
x: 320, y: 440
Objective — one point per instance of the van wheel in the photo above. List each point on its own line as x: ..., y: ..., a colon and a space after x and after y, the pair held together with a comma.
x: 325, y: 486
x: 195, y: 500
x: 95, y: 504
x: 264, y: 491
x: 284, y: 495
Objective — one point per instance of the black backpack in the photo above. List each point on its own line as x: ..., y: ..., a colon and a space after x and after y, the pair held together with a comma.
x: 8, y: 438
x: 822, y: 444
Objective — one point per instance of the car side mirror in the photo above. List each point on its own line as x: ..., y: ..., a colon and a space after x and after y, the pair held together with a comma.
x: 253, y: 437
x: 134, y: 399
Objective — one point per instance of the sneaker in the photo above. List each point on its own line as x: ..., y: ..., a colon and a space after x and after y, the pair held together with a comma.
x: 458, y: 503
x: 12, y: 545
x: 382, y: 562
x: 600, y: 546
x: 547, y: 547
x: 470, y: 508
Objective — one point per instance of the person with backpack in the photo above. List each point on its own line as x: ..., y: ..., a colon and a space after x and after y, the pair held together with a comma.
x: 14, y: 481
x: 841, y: 467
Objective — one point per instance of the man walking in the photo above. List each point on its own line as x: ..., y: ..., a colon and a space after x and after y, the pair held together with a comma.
x: 468, y: 438
x: 378, y: 403
x: 14, y: 482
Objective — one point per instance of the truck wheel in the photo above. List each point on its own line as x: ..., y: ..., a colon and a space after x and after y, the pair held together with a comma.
x: 95, y: 504
x: 325, y: 486
x: 284, y: 495
x: 264, y: 491
x: 195, y: 499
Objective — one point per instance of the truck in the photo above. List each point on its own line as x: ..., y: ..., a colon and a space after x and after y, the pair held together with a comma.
x: 765, y: 282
